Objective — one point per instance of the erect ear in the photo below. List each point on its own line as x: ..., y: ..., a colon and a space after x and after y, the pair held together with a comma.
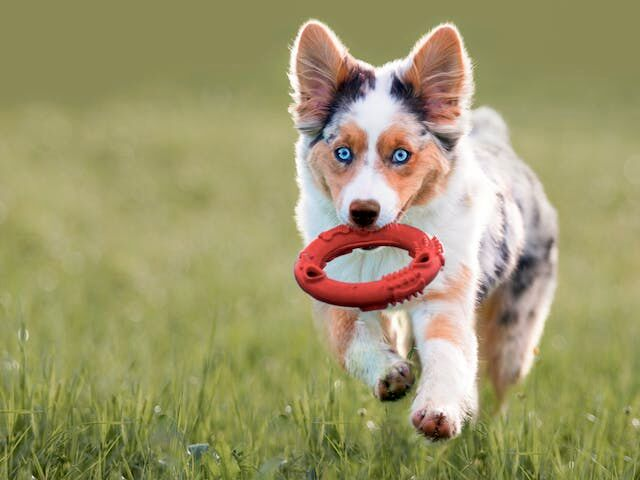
x: 320, y: 64
x: 439, y: 72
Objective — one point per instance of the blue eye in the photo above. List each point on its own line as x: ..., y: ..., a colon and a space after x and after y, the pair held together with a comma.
x: 343, y: 154
x: 400, y: 156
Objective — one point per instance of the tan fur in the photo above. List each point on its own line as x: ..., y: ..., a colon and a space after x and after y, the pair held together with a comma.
x: 387, y: 328
x: 443, y: 328
x: 341, y: 328
x: 489, y: 336
x: 455, y: 288
x: 331, y: 175
x: 435, y: 178
x: 424, y: 175
x: 396, y: 328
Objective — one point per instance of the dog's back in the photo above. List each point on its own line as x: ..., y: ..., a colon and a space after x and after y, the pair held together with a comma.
x: 518, y: 255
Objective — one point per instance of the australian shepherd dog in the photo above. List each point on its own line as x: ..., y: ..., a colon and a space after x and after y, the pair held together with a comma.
x: 400, y: 143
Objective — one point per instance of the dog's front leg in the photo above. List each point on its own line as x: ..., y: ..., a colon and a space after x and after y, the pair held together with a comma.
x: 358, y: 342
x: 447, y: 345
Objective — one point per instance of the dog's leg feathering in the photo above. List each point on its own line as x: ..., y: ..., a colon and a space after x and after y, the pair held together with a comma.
x: 357, y: 339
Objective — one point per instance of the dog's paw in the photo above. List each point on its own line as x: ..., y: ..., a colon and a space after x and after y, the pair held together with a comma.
x: 395, y: 383
x: 437, y: 424
x: 441, y: 408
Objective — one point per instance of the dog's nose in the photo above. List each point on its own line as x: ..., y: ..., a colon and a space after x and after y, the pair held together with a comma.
x: 364, y: 213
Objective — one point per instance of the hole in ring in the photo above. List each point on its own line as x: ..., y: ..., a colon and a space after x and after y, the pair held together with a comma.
x: 312, y: 272
x: 422, y: 258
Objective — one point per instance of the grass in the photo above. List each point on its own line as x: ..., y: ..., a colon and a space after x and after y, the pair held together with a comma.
x: 151, y: 327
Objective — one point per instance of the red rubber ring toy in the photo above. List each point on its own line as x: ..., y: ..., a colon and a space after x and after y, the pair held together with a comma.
x: 427, y: 254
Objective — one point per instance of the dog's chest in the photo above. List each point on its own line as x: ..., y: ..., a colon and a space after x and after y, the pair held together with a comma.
x: 367, y: 265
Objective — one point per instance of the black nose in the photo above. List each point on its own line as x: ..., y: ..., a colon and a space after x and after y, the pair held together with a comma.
x: 364, y: 213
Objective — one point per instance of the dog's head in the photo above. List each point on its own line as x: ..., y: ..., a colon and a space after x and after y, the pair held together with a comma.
x: 380, y: 140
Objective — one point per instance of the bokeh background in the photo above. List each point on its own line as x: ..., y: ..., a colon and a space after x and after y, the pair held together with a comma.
x: 150, y: 323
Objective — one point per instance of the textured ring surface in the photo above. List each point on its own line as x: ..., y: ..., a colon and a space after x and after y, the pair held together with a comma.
x: 427, y: 260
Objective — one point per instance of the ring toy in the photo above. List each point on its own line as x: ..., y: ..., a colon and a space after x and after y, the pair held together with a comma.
x: 427, y: 260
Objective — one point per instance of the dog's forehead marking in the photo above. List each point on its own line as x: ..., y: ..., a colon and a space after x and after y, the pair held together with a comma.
x: 376, y: 110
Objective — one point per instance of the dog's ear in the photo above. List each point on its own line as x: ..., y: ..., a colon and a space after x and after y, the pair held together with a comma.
x: 438, y: 72
x: 319, y: 65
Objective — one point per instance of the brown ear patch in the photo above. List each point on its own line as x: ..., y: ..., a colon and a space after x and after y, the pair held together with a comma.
x: 322, y: 72
x: 319, y: 65
x: 439, y: 75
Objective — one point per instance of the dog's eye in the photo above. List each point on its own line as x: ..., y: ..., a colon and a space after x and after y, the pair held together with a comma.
x: 400, y: 156
x: 343, y: 154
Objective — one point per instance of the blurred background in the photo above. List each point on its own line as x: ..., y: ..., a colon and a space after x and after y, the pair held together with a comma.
x: 147, y: 239
x: 80, y: 54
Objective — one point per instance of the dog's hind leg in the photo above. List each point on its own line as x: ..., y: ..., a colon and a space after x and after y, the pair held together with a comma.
x: 511, y: 319
x: 359, y: 342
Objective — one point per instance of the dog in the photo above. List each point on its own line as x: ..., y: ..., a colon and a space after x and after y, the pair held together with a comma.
x: 400, y: 143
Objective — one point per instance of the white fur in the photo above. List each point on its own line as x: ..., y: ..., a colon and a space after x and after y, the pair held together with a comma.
x: 362, y: 361
x: 369, y: 184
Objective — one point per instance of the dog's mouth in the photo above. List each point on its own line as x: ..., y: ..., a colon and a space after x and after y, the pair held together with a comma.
x: 397, y: 219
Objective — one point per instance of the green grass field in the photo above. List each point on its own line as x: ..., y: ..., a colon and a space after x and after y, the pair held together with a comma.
x: 151, y: 326
x: 134, y: 257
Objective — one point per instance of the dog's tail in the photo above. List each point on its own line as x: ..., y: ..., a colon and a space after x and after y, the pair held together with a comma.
x: 487, y: 123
